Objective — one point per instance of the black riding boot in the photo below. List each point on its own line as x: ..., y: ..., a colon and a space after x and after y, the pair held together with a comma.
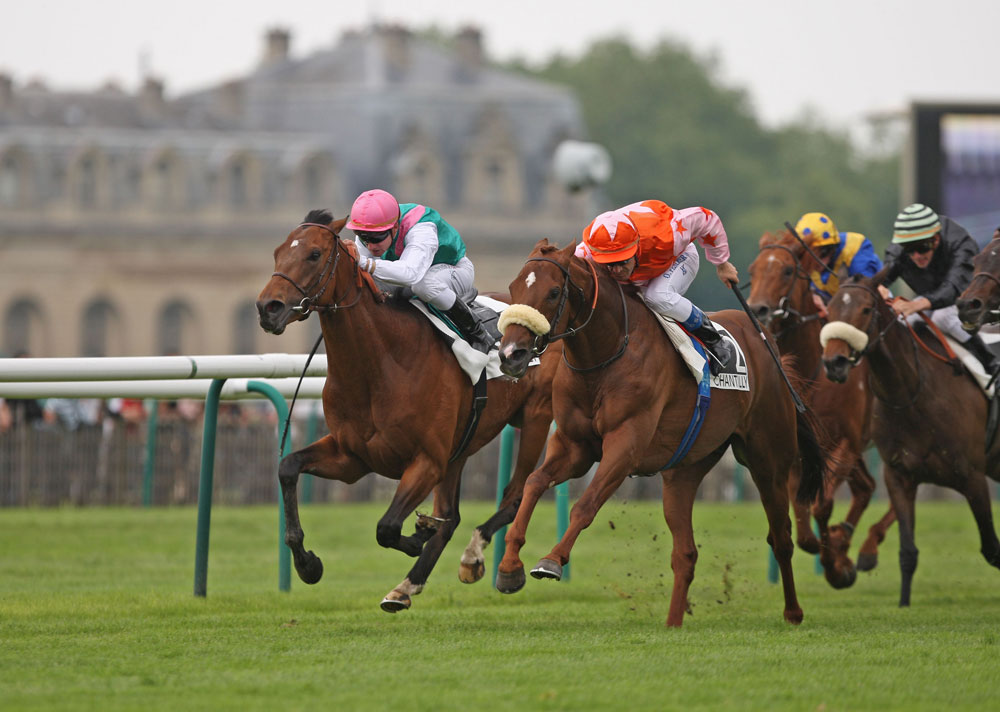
x: 472, y: 329
x: 722, y: 351
x: 980, y: 350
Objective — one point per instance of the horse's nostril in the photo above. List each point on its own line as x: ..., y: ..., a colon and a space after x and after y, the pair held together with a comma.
x: 274, y: 306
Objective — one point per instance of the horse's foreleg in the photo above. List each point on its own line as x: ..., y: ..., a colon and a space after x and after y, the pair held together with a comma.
x: 903, y: 494
x: 421, y: 476
x: 868, y: 553
x: 977, y: 493
x: 679, y: 489
x: 325, y: 459
x: 564, y: 459
x: 532, y: 440
x: 617, y: 462
x: 446, y: 516
x: 804, y: 535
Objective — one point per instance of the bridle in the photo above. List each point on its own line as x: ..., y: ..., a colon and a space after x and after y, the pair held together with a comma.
x: 784, y: 310
x: 542, y: 341
x: 992, y: 278
x: 321, y: 281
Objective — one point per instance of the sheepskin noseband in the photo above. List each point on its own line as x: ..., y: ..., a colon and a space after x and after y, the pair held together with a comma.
x: 855, y: 337
x: 528, y: 317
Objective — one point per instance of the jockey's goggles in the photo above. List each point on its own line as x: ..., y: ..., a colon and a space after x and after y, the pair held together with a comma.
x: 826, y: 250
x: 368, y: 238
x: 922, y: 247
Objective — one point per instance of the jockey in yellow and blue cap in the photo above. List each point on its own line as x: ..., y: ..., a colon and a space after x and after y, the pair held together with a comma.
x: 843, y: 254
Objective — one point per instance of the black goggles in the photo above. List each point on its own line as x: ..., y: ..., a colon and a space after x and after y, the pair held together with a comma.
x: 368, y: 238
x: 826, y: 250
x: 920, y: 248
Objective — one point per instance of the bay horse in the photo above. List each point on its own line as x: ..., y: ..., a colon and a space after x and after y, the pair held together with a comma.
x: 781, y: 298
x: 929, y: 422
x: 979, y: 304
x: 396, y: 402
x: 623, y: 395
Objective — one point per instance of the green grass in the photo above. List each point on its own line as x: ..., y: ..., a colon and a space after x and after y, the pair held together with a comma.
x: 97, y: 612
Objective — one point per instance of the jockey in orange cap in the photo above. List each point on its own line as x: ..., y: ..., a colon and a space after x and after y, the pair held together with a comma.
x: 652, y: 245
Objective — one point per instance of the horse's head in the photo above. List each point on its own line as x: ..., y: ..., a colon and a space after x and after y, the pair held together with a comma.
x: 779, y: 282
x: 980, y: 302
x: 539, y: 296
x: 304, y: 265
x: 858, y: 316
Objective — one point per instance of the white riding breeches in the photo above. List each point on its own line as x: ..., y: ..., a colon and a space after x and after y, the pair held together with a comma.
x: 946, y: 319
x: 665, y: 294
x: 443, y: 283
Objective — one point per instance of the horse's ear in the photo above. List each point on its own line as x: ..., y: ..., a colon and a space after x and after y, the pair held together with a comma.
x: 879, y: 277
x: 338, y: 225
x: 569, y: 250
x: 767, y: 239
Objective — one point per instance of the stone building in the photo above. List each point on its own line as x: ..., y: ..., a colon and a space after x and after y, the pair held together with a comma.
x: 141, y: 224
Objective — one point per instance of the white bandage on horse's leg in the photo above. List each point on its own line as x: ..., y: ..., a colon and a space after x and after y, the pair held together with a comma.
x: 852, y: 335
x: 528, y: 317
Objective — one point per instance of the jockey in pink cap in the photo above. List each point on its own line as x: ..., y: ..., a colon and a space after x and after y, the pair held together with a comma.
x: 411, y: 246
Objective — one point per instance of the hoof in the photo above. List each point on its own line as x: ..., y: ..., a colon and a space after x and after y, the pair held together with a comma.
x: 867, y: 562
x: 845, y: 579
x: 794, y: 616
x: 810, y: 545
x: 547, y: 569
x: 395, y: 602
x: 512, y: 582
x: 470, y: 573
x: 311, y: 569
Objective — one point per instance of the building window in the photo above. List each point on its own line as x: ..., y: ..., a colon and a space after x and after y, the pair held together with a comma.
x: 99, y: 330
x: 245, y: 328
x: 10, y: 181
x: 237, y: 180
x: 176, y: 332
x: 86, y: 182
x: 22, y: 331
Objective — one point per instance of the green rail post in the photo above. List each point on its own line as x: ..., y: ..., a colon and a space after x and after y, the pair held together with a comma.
x: 562, y: 519
x: 205, y: 487
x: 312, y: 429
x: 284, y: 554
x: 152, y: 412
x: 503, y: 479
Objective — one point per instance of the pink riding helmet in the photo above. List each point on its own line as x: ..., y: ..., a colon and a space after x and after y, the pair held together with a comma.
x: 374, y: 211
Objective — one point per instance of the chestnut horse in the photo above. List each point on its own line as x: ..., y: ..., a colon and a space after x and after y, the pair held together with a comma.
x: 929, y: 422
x: 979, y: 304
x: 396, y: 402
x: 624, y: 396
x: 781, y: 299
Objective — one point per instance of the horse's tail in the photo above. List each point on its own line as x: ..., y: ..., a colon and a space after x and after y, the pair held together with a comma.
x: 808, y: 430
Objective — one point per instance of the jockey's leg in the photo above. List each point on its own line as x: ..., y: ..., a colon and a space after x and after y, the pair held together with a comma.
x: 665, y: 295
x: 447, y: 287
x: 948, y: 321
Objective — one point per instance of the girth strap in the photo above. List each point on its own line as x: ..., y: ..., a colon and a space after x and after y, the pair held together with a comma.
x: 478, y: 404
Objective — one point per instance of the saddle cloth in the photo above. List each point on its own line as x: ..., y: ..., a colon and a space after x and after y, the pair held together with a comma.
x: 472, y: 361
x: 973, y: 365
x: 734, y: 378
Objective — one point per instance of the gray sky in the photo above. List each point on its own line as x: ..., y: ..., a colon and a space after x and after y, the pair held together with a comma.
x: 846, y: 59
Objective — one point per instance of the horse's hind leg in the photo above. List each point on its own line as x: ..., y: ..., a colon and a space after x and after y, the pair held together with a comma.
x: 868, y: 553
x: 446, y: 498
x: 532, y: 440
x: 679, y: 489
x: 324, y: 459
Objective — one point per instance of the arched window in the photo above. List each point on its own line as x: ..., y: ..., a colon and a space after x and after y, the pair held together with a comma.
x: 245, y: 328
x: 86, y: 181
x: 418, y: 171
x: 22, y: 329
x: 11, y: 180
x: 493, y: 176
x: 177, y: 329
x: 163, y: 181
x: 101, y: 333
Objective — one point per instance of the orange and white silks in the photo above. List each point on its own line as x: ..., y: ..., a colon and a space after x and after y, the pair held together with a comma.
x: 656, y: 234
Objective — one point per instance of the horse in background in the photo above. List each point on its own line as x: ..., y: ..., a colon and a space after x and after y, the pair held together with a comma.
x: 929, y: 421
x: 979, y: 304
x: 624, y: 396
x: 781, y: 299
x: 396, y: 402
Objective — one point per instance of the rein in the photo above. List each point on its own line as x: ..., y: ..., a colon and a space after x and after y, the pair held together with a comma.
x: 322, y: 280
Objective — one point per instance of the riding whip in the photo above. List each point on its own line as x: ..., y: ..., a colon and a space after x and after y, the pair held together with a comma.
x: 807, y: 248
x: 799, y: 405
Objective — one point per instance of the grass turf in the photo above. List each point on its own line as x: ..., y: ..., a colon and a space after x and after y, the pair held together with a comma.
x: 97, y: 612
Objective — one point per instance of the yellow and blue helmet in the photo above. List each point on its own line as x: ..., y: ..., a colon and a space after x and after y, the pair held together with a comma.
x: 817, y: 229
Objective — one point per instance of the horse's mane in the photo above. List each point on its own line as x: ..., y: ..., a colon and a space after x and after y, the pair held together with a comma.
x: 321, y: 216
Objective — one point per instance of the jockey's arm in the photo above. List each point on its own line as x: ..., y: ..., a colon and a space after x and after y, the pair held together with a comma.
x: 704, y: 225
x: 417, y: 257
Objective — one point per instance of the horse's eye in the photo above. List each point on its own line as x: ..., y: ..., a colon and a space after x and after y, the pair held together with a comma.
x: 789, y: 271
x: 866, y: 311
x: 314, y: 255
x: 554, y: 293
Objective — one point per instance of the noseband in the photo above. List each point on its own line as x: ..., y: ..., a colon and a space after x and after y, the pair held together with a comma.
x: 322, y: 280
x: 876, y: 316
x: 990, y: 277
